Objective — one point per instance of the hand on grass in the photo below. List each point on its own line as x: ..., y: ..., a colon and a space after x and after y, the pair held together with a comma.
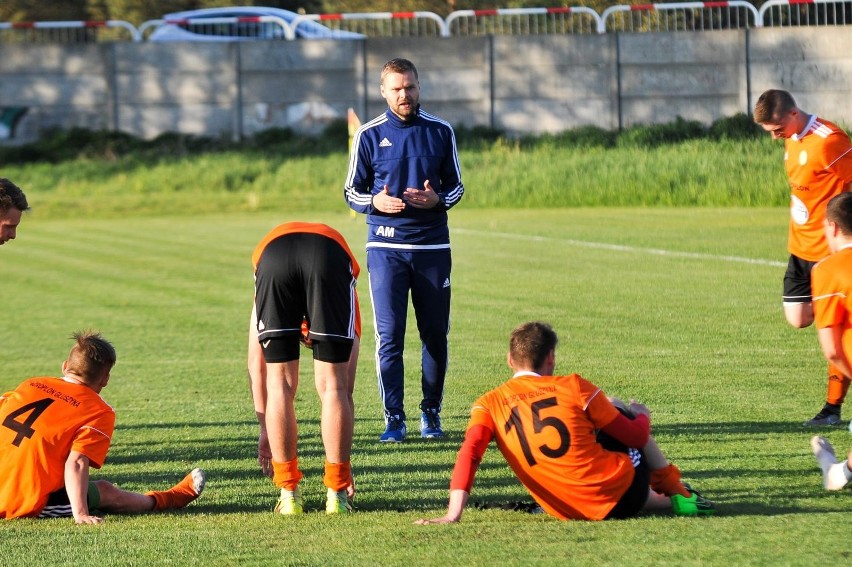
x: 441, y: 520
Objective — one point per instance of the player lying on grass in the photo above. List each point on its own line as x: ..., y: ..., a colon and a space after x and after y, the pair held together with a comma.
x: 53, y: 429
x: 581, y: 455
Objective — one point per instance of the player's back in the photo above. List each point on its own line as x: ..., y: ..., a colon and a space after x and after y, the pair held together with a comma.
x: 41, y: 421
x: 547, y: 433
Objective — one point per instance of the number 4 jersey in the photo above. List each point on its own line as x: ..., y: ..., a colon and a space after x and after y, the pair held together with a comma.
x: 41, y: 422
x: 546, y: 428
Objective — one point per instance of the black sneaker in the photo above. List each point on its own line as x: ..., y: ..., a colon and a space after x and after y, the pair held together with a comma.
x: 829, y: 415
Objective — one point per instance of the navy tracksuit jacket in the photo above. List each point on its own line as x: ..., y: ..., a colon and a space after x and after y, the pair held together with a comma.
x: 409, y: 251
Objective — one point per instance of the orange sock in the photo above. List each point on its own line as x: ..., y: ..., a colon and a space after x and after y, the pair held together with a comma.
x: 286, y: 475
x: 180, y: 494
x: 838, y: 385
x: 667, y: 481
x: 337, y: 475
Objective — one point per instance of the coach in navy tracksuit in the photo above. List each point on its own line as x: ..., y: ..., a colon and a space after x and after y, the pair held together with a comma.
x: 404, y: 175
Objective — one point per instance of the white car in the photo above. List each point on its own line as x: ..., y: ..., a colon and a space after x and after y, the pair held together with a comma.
x: 223, y: 26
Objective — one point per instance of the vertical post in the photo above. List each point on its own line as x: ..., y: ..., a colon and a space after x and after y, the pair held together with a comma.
x: 110, y: 68
x: 362, y: 69
x: 618, y: 94
x: 237, y: 113
x: 748, y: 71
x: 489, y: 60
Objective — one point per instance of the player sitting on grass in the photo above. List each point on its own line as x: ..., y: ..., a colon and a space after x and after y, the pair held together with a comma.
x: 581, y: 455
x: 53, y: 429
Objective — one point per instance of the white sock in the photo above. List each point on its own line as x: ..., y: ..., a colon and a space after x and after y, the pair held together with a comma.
x: 837, y: 477
x: 824, y: 453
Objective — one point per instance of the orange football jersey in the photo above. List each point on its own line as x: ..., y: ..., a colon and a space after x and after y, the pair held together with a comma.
x: 831, y: 283
x: 545, y: 427
x: 819, y: 166
x: 41, y: 422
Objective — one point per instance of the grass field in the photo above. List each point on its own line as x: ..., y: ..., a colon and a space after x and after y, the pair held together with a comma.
x: 676, y: 307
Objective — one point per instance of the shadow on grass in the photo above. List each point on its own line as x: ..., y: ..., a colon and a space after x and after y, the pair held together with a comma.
x: 732, y: 428
x: 387, y: 475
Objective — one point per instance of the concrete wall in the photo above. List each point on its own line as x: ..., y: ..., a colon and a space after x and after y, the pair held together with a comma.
x: 696, y: 76
x: 815, y: 65
x: 521, y: 84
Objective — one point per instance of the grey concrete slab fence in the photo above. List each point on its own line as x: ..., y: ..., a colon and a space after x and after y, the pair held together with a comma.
x: 523, y: 84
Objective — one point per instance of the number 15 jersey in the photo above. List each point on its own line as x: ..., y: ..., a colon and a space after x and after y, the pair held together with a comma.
x: 41, y: 422
x: 545, y: 427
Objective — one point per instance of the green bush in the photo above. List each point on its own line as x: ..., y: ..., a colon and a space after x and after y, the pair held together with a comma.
x: 62, y: 145
x: 581, y: 137
x: 651, y: 136
x: 737, y: 127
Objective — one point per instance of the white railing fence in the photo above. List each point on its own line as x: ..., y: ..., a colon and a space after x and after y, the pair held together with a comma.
x: 674, y: 16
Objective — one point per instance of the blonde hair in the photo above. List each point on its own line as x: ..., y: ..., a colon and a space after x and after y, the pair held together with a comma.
x: 400, y: 66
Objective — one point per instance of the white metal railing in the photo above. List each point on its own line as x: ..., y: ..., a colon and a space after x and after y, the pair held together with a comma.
x: 681, y: 16
x: 675, y: 16
x: 380, y: 24
x: 79, y: 31
x: 784, y: 13
x: 517, y: 21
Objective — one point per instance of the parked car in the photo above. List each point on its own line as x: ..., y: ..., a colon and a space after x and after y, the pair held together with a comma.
x: 239, y: 31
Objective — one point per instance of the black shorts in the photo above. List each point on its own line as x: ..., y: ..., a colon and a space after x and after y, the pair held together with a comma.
x: 58, y: 505
x: 797, y: 280
x: 304, y: 276
x: 634, y: 499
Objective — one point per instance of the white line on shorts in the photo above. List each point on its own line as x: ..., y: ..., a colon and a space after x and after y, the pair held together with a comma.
x: 623, y: 248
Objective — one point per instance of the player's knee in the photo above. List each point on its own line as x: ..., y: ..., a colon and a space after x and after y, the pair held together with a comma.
x: 799, y: 315
x: 106, y: 493
x: 800, y: 321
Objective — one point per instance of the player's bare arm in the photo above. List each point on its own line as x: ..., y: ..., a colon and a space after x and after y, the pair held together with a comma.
x: 257, y: 386
x: 76, y: 486
x: 458, y: 500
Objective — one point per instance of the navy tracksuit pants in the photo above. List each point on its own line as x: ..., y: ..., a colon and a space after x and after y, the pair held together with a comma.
x: 426, y: 275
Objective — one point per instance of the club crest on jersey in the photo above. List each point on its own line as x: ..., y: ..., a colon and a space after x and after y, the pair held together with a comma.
x: 798, y: 210
x: 386, y: 231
